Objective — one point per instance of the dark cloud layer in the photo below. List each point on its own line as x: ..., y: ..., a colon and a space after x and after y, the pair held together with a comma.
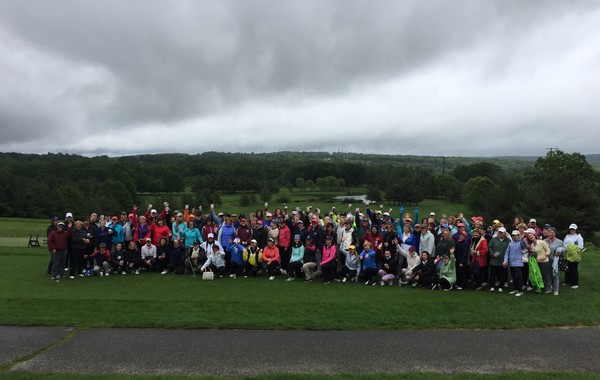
x: 247, y: 75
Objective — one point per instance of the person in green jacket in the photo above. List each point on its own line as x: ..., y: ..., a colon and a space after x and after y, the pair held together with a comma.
x: 447, y: 276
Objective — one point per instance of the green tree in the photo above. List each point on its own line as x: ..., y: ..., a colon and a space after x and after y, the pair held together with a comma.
x: 477, y: 192
x: 310, y: 184
x: 563, y: 190
x: 449, y: 187
x: 300, y: 183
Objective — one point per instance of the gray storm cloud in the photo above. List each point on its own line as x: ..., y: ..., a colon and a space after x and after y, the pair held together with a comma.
x: 385, y: 76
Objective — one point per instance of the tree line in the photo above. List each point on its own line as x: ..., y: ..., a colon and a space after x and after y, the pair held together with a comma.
x: 560, y: 186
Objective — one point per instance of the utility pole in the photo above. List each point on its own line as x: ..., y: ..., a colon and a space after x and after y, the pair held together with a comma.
x: 443, y: 165
x: 551, y: 149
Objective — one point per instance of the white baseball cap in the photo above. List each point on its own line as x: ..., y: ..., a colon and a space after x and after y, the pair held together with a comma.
x: 69, y: 215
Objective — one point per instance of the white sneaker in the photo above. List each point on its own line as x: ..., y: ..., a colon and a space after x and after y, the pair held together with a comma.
x: 137, y: 272
x: 492, y: 289
x: 556, y: 293
x: 81, y: 275
x: 519, y: 294
x: 381, y: 283
x: 107, y: 274
x: 123, y: 272
x: 233, y: 276
x: 163, y: 272
x: 344, y: 279
x: 290, y: 279
x: 575, y: 287
x: 500, y: 290
x: 514, y: 292
x: 484, y: 284
x: 459, y: 288
x: 72, y: 277
x: 529, y: 288
x: 283, y: 271
x: 101, y: 274
x: 271, y: 278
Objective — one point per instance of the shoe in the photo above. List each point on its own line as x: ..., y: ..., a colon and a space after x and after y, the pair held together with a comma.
x: 529, y: 288
x: 72, y: 277
x: 404, y: 282
x: 107, y: 274
x: 220, y: 276
x: 123, y: 272
x: 390, y: 283
x: 514, y: 292
x: 53, y: 278
x: 519, y: 294
x: 367, y: 283
x: 283, y: 271
x: 433, y: 286
x: 344, y: 279
x: 492, y: 289
x: 506, y: 284
x: 326, y: 282
x: 446, y: 290
x: 308, y: 280
x: 575, y: 287
x: 500, y: 290
x: 271, y: 278
x: 556, y: 293
x: 337, y: 280
x: 290, y: 279
x: 381, y: 283
x: 234, y: 276
x: 81, y: 275
x: 163, y: 272
x: 414, y: 285
x: 459, y: 288
x: 548, y: 292
x: 101, y: 274
x: 231, y: 276
x: 484, y: 284
x: 479, y: 288
x: 374, y: 283
x: 245, y: 276
x: 137, y: 272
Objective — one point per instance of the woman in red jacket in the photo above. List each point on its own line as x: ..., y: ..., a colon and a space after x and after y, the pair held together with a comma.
x: 159, y: 231
x: 328, y: 262
x: 284, y: 240
x: 271, y: 257
x: 479, y: 259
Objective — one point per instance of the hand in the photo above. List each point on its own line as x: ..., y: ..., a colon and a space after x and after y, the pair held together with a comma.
x: 452, y: 250
x: 417, y: 277
x: 135, y: 207
x: 349, y: 206
x: 386, y: 266
x: 187, y: 207
x: 150, y: 206
x: 504, y: 264
x: 212, y: 206
x: 416, y: 210
x: 401, y: 209
x: 395, y: 241
x: 381, y: 206
x: 165, y: 204
x: 461, y: 215
x: 357, y: 210
x: 200, y: 208
x: 367, y: 256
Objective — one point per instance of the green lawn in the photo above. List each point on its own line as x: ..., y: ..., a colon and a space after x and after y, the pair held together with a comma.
x: 28, y: 297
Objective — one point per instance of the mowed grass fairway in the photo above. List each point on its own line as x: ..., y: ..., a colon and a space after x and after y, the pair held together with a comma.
x: 29, y: 297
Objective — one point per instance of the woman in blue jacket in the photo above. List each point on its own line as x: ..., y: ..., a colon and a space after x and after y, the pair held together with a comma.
x: 368, y: 259
x: 514, y: 260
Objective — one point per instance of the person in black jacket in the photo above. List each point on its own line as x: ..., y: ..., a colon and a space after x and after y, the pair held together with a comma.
x: 425, y: 272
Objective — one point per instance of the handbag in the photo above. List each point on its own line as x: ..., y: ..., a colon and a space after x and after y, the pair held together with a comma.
x: 208, y: 275
x: 475, y: 268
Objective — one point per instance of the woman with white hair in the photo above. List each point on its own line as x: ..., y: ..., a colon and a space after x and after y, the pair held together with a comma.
x: 574, y: 244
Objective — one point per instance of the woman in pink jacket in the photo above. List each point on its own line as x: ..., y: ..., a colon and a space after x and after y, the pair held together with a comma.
x: 479, y: 258
x: 328, y: 263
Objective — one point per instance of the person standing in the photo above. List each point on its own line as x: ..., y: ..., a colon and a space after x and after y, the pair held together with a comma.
x: 574, y: 244
x: 58, y: 243
x: 496, y: 249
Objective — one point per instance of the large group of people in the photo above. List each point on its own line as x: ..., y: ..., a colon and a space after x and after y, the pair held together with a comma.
x: 371, y: 247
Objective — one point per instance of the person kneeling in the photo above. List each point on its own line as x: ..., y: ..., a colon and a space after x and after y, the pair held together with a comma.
x: 215, y: 261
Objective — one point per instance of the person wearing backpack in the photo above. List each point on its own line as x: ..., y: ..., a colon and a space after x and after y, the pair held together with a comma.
x: 574, y: 244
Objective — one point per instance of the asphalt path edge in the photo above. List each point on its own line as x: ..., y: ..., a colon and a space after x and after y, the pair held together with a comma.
x: 76, y: 331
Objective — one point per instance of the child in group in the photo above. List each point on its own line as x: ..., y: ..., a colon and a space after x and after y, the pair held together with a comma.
x: 368, y: 259
x: 388, y: 269
x: 237, y: 258
x: 296, y: 260
x: 351, y: 267
x: 253, y: 259
x: 215, y: 261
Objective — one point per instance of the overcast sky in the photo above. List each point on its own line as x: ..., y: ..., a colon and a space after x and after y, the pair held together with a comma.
x: 473, y: 78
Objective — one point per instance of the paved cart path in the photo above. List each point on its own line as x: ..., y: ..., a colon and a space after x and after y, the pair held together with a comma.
x: 230, y: 352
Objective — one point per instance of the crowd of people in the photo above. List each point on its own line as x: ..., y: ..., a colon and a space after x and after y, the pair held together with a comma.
x: 371, y: 247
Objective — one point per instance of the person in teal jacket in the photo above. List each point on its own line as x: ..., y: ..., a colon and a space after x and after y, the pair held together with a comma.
x: 190, y: 234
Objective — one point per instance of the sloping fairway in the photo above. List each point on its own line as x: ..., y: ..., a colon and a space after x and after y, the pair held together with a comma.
x: 29, y: 297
